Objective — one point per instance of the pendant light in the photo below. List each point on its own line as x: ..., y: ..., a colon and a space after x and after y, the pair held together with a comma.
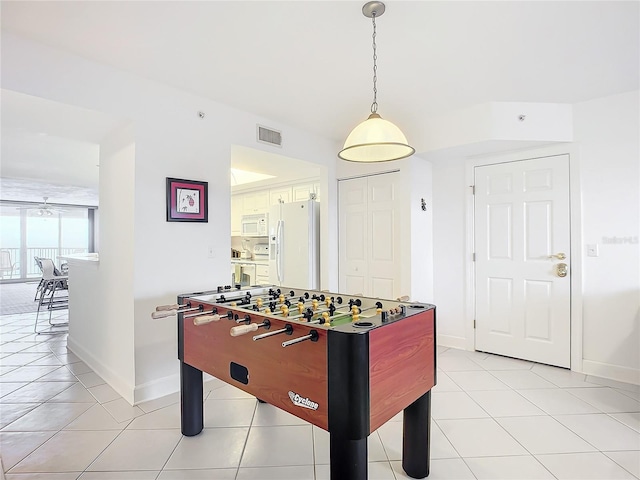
x: 375, y: 139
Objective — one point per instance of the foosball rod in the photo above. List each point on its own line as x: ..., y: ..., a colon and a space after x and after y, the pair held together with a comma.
x: 270, y: 297
x: 313, y: 336
x: 320, y: 320
x: 259, y: 300
x: 300, y: 315
x: 314, y: 306
x: 280, y: 298
x: 288, y: 329
x: 338, y: 311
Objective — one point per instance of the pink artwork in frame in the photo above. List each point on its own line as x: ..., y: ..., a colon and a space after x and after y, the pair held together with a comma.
x: 187, y: 200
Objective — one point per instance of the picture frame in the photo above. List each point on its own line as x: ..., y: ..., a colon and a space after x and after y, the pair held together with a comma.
x: 187, y: 200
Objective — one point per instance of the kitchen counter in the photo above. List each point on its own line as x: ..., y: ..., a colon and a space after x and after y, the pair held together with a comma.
x: 80, y: 257
x: 249, y: 261
x: 247, y: 271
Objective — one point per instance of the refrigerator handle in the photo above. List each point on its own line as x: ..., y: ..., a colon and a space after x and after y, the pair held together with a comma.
x: 279, y: 250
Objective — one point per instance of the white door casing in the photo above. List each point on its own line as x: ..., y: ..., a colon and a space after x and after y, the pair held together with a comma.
x: 522, y: 219
x: 369, y: 243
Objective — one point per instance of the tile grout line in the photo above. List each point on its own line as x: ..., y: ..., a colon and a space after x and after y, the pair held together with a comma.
x: 246, y: 440
x: 86, y: 469
x: 46, y: 441
x: 614, y: 460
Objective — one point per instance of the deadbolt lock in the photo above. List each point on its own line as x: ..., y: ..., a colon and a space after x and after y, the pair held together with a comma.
x: 562, y: 269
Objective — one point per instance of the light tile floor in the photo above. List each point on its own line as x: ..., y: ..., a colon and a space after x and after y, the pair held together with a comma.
x: 493, y: 418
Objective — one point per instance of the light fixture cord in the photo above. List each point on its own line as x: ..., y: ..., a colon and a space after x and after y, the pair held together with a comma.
x: 374, y: 105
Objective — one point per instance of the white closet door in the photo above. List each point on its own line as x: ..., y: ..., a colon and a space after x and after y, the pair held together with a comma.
x: 369, y: 236
x: 383, y: 233
x: 353, y: 236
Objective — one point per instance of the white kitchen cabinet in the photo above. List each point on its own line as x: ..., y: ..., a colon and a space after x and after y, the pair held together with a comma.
x: 259, y: 201
x: 255, y: 202
x: 280, y: 193
x: 302, y: 192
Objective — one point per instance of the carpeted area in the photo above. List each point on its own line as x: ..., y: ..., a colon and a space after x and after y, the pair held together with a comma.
x: 18, y: 297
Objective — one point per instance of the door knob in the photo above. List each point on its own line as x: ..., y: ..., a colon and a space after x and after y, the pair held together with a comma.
x: 559, y: 256
x: 562, y: 269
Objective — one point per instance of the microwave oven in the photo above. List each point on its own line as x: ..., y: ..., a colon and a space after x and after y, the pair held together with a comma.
x: 254, y: 225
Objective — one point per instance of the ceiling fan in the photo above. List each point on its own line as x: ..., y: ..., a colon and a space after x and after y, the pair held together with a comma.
x: 42, y: 210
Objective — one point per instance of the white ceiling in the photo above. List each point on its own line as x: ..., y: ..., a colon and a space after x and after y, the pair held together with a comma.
x: 283, y: 169
x: 309, y: 63
x: 50, y: 150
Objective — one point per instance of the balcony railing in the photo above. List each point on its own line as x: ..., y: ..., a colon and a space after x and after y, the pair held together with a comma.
x: 30, y: 269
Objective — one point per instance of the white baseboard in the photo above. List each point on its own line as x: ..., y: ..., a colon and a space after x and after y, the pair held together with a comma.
x: 134, y: 394
x: 120, y: 385
x: 613, y: 372
x: 451, y: 341
x: 156, y: 389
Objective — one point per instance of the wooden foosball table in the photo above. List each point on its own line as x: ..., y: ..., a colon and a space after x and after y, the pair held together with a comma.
x: 346, y: 364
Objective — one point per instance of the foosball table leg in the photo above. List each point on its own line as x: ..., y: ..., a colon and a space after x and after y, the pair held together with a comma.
x: 416, y: 437
x: 191, y: 400
x: 348, y: 458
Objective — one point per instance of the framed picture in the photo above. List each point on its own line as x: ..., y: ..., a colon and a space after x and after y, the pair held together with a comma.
x: 187, y: 201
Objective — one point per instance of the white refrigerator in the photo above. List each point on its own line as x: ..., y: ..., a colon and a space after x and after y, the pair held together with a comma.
x: 294, y: 250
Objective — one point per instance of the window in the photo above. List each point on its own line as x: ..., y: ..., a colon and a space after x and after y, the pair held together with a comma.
x: 26, y: 231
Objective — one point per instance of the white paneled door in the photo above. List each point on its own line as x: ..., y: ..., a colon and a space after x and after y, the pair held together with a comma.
x: 369, y: 236
x: 522, y: 267
x: 353, y: 228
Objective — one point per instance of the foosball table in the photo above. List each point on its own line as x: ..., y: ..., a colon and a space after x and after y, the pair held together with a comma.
x: 344, y: 363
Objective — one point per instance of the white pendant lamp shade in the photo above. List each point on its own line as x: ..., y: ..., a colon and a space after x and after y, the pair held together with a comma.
x: 375, y: 140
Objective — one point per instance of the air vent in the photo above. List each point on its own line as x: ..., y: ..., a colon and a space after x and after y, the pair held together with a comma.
x: 270, y: 136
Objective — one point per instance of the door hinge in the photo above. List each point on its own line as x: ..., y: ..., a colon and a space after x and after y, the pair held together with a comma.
x: 473, y: 189
x: 473, y: 257
x: 474, y: 323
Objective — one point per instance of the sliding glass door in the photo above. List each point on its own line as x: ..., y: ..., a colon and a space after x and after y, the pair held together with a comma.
x: 28, y: 231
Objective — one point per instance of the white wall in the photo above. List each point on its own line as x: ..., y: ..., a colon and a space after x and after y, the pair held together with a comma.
x: 450, y: 194
x: 101, y: 327
x: 170, y: 141
x: 419, y: 181
x: 606, y: 172
x: 493, y: 127
x: 607, y: 132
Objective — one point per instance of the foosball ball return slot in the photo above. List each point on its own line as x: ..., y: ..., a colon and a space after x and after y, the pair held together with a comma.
x: 349, y: 364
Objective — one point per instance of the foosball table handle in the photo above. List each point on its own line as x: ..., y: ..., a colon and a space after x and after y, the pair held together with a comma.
x: 163, y: 313
x: 404, y: 298
x: 243, y: 329
x: 203, y: 319
x: 175, y: 306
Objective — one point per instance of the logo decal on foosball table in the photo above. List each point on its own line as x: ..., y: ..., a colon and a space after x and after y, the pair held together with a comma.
x: 302, y: 401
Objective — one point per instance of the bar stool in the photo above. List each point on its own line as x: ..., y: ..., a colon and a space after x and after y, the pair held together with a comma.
x: 50, y: 284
